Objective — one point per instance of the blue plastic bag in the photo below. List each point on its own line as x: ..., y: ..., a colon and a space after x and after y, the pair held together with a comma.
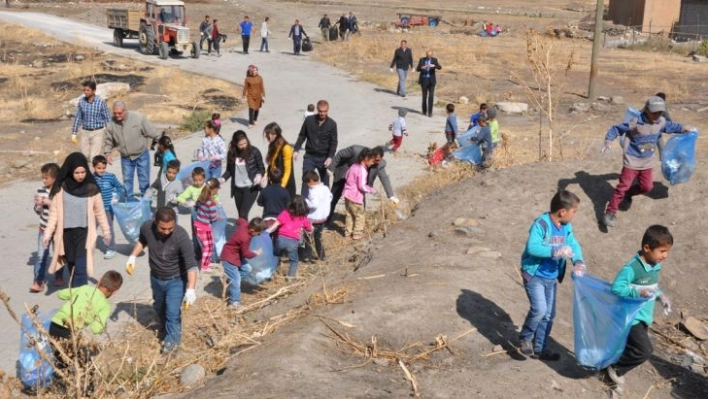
x: 35, y: 372
x: 601, y: 321
x: 464, y: 139
x: 218, y: 229
x: 678, y: 157
x: 131, y: 215
x: 630, y: 114
x: 472, y: 153
x: 264, y: 263
x: 185, y: 174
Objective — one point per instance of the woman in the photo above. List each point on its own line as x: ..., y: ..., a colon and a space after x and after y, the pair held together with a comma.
x: 76, y: 209
x: 254, y: 93
x: 244, y: 166
x: 280, y: 155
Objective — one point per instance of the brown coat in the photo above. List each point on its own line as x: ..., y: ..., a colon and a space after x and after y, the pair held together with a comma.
x: 55, y: 225
x: 254, y: 91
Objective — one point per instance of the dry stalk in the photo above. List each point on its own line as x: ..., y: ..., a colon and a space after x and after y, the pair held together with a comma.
x: 410, y: 377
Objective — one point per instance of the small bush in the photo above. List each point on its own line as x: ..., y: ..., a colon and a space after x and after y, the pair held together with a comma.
x: 703, y: 48
x: 194, y: 122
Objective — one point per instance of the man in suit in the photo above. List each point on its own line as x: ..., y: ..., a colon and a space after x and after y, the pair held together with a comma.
x: 403, y: 61
x: 296, y: 33
x: 427, y: 67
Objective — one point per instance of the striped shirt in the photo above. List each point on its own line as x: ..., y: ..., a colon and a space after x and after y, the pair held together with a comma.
x: 109, y: 185
x: 91, y: 115
x: 206, y: 212
x: 42, y: 210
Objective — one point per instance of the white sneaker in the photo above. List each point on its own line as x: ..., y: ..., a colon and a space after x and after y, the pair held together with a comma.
x: 619, y: 380
x: 235, y: 305
x: 110, y: 254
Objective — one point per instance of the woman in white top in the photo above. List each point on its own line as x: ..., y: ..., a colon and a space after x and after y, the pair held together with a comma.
x: 264, y: 35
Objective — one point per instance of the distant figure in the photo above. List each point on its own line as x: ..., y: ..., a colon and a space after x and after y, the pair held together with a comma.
x: 353, y: 24
x: 324, y: 26
x: 245, y: 28
x: 427, y: 67
x: 343, y: 26
x: 296, y: 33
x: 310, y: 110
x: 253, y: 93
x: 202, y: 30
x: 474, y: 117
x: 398, y: 129
x: 403, y: 61
x: 264, y: 35
x: 451, y: 131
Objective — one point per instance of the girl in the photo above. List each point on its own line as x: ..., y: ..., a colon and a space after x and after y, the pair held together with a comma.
x: 205, y: 215
x: 440, y: 155
x: 244, y: 166
x: 213, y: 149
x: 164, y: 145
x: 280, y: 155
x: 75, y: 210
x: 291, y: 221
x: 254, y: 93
x: 216, y: 118
x: 355, y: 190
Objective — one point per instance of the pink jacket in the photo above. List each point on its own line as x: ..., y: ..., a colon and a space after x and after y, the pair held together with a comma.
x: 290, y: 226
x: 355, y: 187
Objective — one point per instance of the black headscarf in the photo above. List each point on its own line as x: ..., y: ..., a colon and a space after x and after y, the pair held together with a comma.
x: 65, y: 178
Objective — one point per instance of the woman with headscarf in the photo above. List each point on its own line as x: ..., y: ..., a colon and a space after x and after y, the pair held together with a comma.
x: 244, y: 166
x: 254, y: 93
x: 76, y: 208
x: 280, y: 155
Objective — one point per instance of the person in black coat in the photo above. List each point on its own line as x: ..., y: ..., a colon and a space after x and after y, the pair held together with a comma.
x: 343, y: 26
x: 427, y: 67
x: 296, y: 33
x: 403, y: 61
x: 244, y: 166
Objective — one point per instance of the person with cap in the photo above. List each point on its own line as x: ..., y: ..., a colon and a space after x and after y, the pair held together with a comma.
x: 642, y: 136
x: 253, y: 93
x: 398, y: 129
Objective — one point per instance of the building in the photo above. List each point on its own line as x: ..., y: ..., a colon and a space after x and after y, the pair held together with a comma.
x: 694, y: 18
x: 653, y: 16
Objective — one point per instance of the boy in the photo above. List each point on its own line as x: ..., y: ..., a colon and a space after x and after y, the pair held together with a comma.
x: 450, y: 123
x: 166, y: 187
x: 41, y: 208
x: 111, y: 191
x: 493, y: 123
x: 474, y: 117
x: 234, y: 255
x: 399, y: 129
x: 484, y: 139
x: 310, y: 111
x: 551, y: 242
x: 639, y: 278
x: 319, y: 200
x: 274, y: 198
x: 642, y: 137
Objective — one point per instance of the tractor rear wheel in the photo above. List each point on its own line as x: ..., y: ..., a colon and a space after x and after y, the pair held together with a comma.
x: 164, y: 50
x: 147, y: 39
x: 118, y: 37
x: 196, y: 51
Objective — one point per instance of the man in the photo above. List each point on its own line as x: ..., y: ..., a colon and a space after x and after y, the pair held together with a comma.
x: 91, y: 116
x: 127, y: 132
x: 427, y: 67
x: 324, y: 26
x: 353, y: 24
x: 202, y: 29
x: 347, y: 157
x: 403, y: 61
x: 297, y: 32
x: 245, y: 28
x: 343, y: 26
x: 320, y: 131
x: 173, y: 272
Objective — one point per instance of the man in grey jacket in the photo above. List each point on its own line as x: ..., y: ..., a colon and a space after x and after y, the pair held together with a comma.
x: 347, y: 157
x: 128, y: 132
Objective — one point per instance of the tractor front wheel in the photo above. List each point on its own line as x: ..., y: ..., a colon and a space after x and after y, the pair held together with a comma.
x: 164, y: 50
x: 118, y: 37
x: 196, y: 51
x: 147, y: 39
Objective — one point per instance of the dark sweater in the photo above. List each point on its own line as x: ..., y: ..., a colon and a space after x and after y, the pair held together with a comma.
x: 238, y: 245
x: 169, y: 256
x: 321, y: 139
x: 274, y: 199
x: 402, y: 59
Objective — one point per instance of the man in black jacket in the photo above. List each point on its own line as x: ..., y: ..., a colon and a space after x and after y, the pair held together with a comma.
x: 324, y: 26
x: 297, y: 32
x: 320, y: 131
x: 202, y: 30
x: 427, y: 67
x: 403, y: 61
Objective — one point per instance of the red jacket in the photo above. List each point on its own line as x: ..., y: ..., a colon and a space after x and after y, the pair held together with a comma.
x: 237, y: 247
x: 215, y: 33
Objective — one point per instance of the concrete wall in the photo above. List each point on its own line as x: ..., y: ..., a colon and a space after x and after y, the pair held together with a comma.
x: 652, y: 15
x: 694, y: 17
x: 626, y: 12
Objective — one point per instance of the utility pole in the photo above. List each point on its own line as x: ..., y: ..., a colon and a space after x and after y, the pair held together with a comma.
x: 596, y: 45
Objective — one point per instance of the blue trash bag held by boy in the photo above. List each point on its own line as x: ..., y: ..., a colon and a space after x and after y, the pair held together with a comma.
x: 131, y: 215
x: 34, y: 371
x: 263, y: 264
x: 471, y: 153
x: 678, y: 157
x: 219, y: 230
x: 601, y: 321
x: 185, y: 174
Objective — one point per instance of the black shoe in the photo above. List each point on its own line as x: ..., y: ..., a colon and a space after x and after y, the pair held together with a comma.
x: 626, y: 204
x: 547, y: 356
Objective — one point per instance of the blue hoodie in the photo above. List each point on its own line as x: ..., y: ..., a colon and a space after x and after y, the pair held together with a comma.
x: 539, y: 249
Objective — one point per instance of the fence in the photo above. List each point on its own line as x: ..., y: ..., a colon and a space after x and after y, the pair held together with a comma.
x: 683, y: 35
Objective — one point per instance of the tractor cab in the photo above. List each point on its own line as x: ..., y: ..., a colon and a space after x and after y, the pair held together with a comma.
x: 169, y: 12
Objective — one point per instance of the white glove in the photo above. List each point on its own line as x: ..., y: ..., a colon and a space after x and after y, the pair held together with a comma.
x: 562, y: 252
x: 394, y: 200
x: 579, y: 269
x: 391, y: 69
x: 606, y: 147
x: 148, y: 194
x: 130, y: 265
x: 114, y: 199
x: 190, y: 296
x: 74, y: 139
x: 222, y: 180
x: 666, y: 303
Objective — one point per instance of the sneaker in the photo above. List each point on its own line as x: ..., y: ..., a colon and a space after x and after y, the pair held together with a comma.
x: 110, y: 254
x: 618, y: 391
x: 234, y: 305
x: 609, y: 220
x: 547, y: 356
x: 36, y: 287
x: 612, y: 373
x: 626, y: 204
x: 527, y: 348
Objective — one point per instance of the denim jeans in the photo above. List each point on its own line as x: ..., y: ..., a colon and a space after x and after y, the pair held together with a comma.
x: 234, y: 275
x: 402, y: 74
x: 43, y: 257
x: 214, y: 173
x: 313, y: 162
x: 290, y: 246
x: 264, y: 44
x: 167, y: 301
x: 112, y: 244
x: 297, y: 44
x: 128, y: 167
x: 539, y: 321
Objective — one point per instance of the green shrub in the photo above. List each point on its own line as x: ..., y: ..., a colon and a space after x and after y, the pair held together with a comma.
x: 703, y: 48
x: 194, y: 122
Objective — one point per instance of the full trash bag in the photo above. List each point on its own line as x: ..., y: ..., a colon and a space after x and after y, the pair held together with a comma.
x: 601, y: 321
x: 131, y: 215
x: 678, y: 157
x: 472, y: 153
x: 34, y: 371
x: 218, y: 229
x: 464, y: 139
x: 264, y: 263
x: 185, y: 174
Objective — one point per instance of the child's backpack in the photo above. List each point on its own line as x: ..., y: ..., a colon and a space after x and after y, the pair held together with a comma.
x: 678, y: 157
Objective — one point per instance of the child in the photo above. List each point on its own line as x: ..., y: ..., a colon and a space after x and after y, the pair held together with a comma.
x: 639, y: 278
x: 551, y: 242
x: 216, y: 119
x: 166, y: 187
x: 642, y: 137
x: 189, y: 198
x: 319, y: 200
x: 274, y: 198
x: 41, y: 208
x: 206, y: 215
x: 355, y: 188
x: 441, y: 155
x: 474, y: 117
x: 165, y: 147
x: 290, y: 223
x: 398, y: 128
x: 484, y: 139
x: 213, y: 149
x: 235, y: 253
x: 111, y: 192
x: 493, y: 123
x: 310, y: 111
x: 450, y: 124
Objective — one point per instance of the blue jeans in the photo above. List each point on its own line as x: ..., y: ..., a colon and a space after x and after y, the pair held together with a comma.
x: 539, y: 321
x: 213, y: 173
x: 234, y: 275
x: 167, y: 301
x: 402, y: 74
x: 128, y: 167
x: 112, y: 244
x: 43, y: 257
x: 297, y: 43
x: 264, y: 44
x: 290, y: 246
x: 313, y: 162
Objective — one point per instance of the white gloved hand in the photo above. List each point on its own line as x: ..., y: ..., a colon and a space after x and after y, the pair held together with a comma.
x: 114, y: 199
x: 130, y: 265
x: 190, y: 296
x: 222, y: 180
x: 562, y: 252
x: 189, y: 204
x: 74, y: 139
x: 579, y: 269
x: 391, y: 69
x: 666, y: 303
x: 394, y: 200
x: 606, y: 147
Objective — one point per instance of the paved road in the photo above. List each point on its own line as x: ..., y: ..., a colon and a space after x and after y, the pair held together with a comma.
x: 361, y: 111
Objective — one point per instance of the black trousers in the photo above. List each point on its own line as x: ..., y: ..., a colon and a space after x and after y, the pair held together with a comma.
x: 246, y: 42
x: 244, y: 199
x: 337, y: 191
x: 252, y: 115
x: 313, y: 162
x: 637, y: 350
x: 428, y: 87
x: 318, y: 251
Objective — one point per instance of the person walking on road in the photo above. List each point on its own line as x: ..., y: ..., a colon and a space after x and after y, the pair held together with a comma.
x: 427, y: 67
x: 91, y: 116
x: 264, y: 35
x: 343, y: 26
x: 296, y: 33
x: 253, y: 93
x: 202, y: 30
x: 128, y: 132
x: 245, y: 27
x: 324, y: 26
x: 173, y: 272
x: 320, y: 132
x: 216, y: 37
x: 403, y: 61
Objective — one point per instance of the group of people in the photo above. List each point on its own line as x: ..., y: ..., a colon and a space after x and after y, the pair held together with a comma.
x: 209, y: 31
x: 342, y: 29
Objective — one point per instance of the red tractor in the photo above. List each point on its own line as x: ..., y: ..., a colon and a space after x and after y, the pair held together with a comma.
x: 406, y: 21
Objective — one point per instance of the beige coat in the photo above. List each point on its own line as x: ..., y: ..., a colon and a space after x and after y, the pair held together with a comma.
x: 254, y: 91
x: 55, y: 225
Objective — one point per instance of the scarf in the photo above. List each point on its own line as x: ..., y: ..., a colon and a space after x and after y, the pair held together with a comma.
x: 65, y: 179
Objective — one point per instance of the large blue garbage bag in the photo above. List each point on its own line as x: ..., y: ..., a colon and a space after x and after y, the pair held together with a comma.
x: 185, y: 173
x: 131, y: 215
x: 219, y: 230
x: 464, y: 139
x: 264, y: 263
x: 472, y: 153
x: 34, y: 371
x: 601, y: 321
x: 678, y: 157
x: 630, y: 114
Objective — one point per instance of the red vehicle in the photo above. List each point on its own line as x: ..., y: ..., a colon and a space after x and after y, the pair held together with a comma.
x: 411, y: 20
